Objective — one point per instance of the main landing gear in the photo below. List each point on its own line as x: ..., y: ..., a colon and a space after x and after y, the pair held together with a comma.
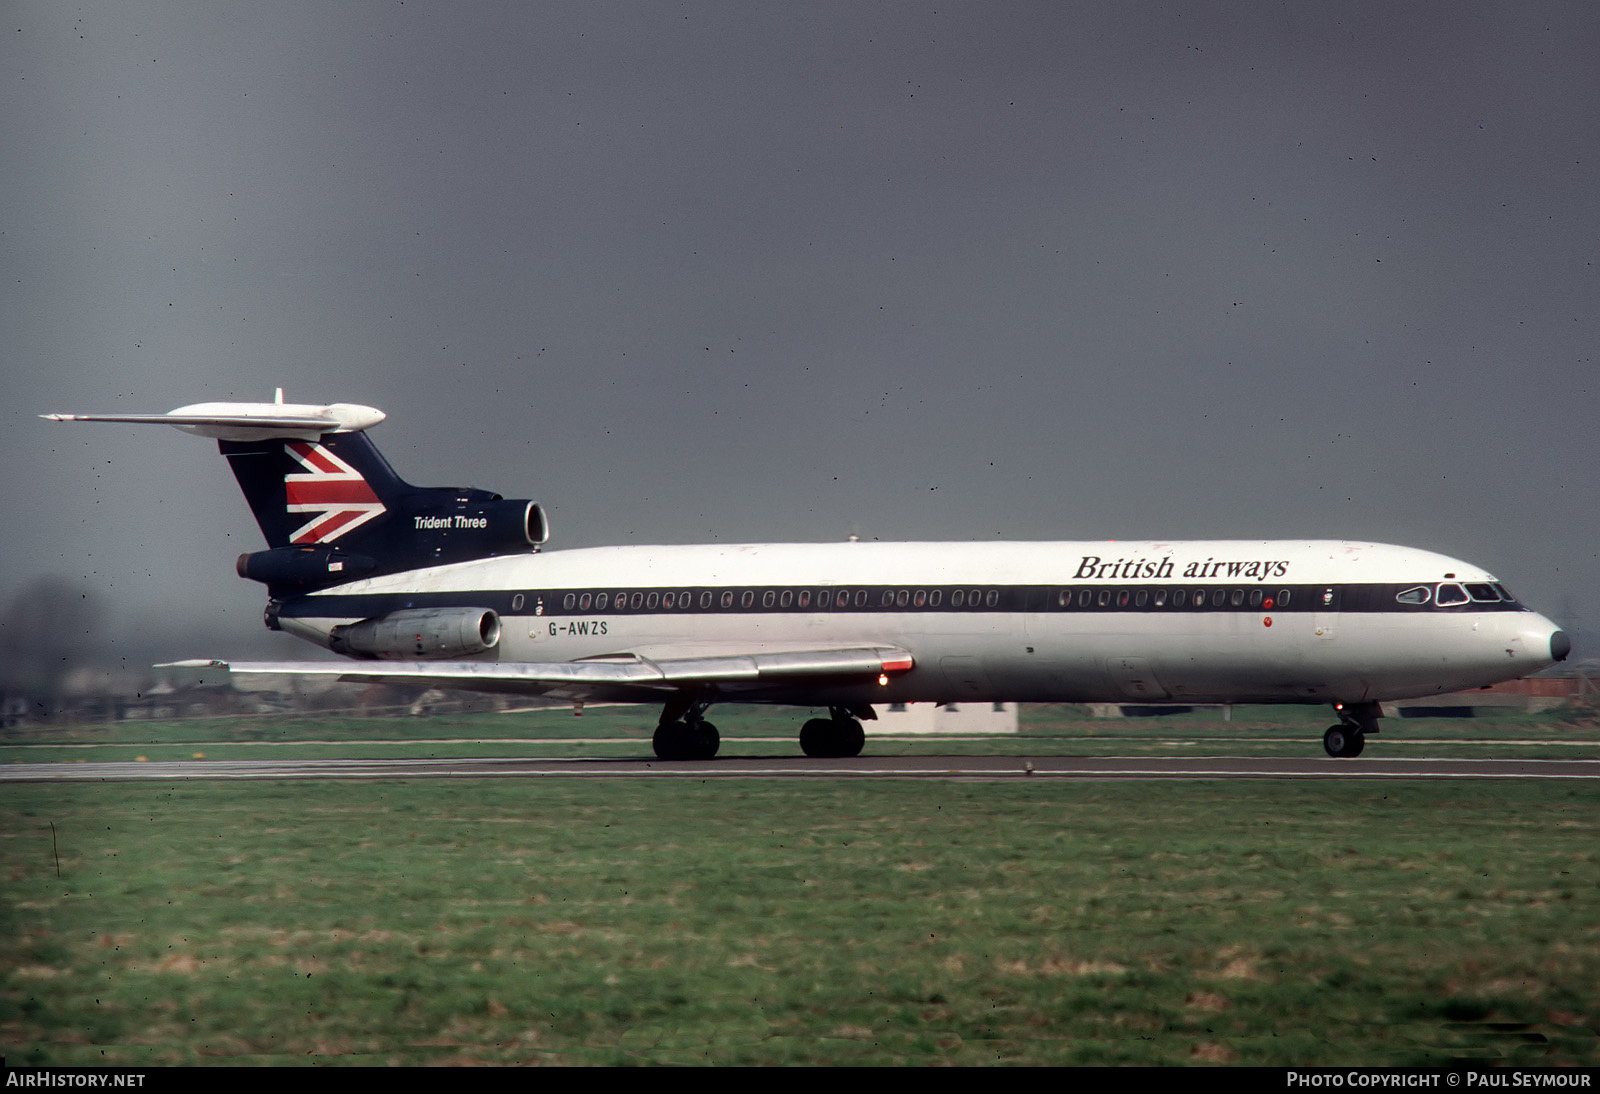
x: 1347, y: 739
x: 684, y: 733
x: 838, y: 735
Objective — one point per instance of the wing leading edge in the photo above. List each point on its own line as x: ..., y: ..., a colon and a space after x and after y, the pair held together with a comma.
x: 620, y: 679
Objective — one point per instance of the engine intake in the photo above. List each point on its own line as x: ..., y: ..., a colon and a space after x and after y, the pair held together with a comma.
x: 419, y: 634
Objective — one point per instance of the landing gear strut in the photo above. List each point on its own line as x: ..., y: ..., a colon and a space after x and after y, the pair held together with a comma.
x: 683, y: 733
x: 1347, y: 739
x: 838, y: 735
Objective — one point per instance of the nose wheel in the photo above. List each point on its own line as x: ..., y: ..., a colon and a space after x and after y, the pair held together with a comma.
x: 1344, y: 742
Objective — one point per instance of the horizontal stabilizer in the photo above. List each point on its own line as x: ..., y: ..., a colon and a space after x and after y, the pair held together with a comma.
x: 249, y: 421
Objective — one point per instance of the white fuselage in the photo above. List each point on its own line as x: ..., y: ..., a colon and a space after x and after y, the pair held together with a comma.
x: 1152, y: 621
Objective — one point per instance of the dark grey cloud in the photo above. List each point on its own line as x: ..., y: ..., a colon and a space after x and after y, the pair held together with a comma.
x: 751, y: 272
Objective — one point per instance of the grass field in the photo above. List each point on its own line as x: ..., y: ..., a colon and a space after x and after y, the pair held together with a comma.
x: 752, y: 922
x: 768, y: 731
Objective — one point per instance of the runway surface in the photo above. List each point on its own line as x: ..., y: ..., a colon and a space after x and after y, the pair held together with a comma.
x: 861, y: 767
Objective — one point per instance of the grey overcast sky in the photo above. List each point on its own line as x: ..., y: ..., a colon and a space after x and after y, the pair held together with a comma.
x: 768, y: 271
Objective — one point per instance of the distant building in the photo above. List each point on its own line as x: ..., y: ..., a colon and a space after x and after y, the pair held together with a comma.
x: 950, y: 719
x: 1531, y: 695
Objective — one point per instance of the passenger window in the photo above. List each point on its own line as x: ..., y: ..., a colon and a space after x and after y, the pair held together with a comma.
x: 668, y: 600
x: 934, y: 598
x: 583, y: 602
x: 1084, y: 597
x: 1421, y: 594
x: 919, y: 598
x: 747, y: 598
x: 1122, y: 598
x: 767, y: 598
x: 1255, y: 598
x: 1283, y: 598
x: 992, y: 599
x: 1179, y: 598
x: 1161, y: 598
x: 517, y: 602
x: 727, y: 599
x: 1199, y: 598
x: 1104, y: 598
x: 805, y: 598
x: 1237, y: 598
x: 1449, y: 593
x: 902, y: 598
x: 650, y: 601
x: 1140, y: 598
x: 887, y: 600
x: 1064, y: 598
x: 600, y: 601
x: 956, y: 598
x: 705, y: 600
x: 861, y: 598
x: 635, y: 601
x: 568, y: 601
x: 1218, y: 597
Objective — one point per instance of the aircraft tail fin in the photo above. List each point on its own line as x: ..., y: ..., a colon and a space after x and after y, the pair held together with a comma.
x: 309, y: 492
x: 328, y: 503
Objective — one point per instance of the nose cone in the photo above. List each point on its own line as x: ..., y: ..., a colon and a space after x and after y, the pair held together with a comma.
x: 1560, y: 646
x: 1530, y: 641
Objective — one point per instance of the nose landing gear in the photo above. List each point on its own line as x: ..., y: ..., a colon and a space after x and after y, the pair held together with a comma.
x: 1347, y: 739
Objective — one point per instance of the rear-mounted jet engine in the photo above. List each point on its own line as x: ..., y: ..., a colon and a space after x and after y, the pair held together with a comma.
x: 427, y: 634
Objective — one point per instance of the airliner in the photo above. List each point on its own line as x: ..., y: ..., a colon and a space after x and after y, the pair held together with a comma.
x: 450, y: 587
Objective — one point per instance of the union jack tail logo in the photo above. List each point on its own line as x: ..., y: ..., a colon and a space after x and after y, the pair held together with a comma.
x: 330, y: 488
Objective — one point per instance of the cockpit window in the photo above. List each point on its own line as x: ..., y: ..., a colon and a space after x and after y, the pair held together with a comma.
x: 1450, y: 593
x: 1505, y: 594
x: 1483, y: 592
x: 1419, y: 595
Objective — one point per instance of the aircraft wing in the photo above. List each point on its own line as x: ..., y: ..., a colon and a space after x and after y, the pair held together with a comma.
x: 628, y: 678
